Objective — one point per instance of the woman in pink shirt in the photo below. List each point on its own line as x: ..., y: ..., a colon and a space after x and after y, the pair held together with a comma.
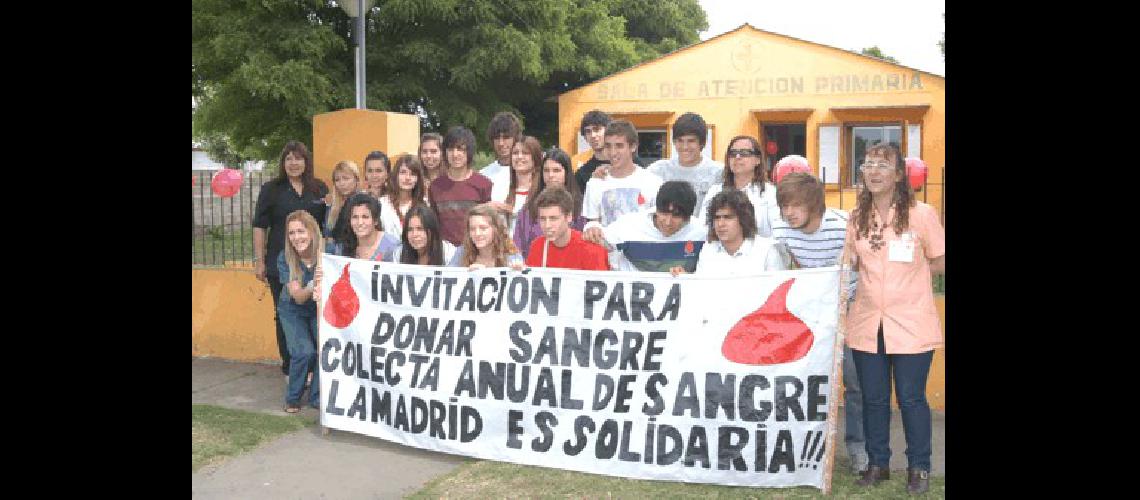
x: 896, y: 243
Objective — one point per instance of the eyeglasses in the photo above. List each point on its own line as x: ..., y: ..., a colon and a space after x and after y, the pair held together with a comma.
x: 742, y: 153
x: 872, y: 166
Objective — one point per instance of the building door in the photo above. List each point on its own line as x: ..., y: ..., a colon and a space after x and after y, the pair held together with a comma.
x: 650, y: 145
x: 784, y: 139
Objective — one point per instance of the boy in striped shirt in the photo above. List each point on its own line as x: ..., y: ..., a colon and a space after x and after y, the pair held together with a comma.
x: 814, y: 235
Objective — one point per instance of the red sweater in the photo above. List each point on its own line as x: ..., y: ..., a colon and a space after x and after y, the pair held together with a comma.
x: 577, y: 254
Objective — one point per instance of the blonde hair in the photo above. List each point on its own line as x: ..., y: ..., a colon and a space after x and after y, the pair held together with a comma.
x: 291, y: 258
x: 345, y: 166
x: 501, y: 244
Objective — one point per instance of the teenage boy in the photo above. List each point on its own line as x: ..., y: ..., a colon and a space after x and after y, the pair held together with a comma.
x: 734, y: 246
x: 593, y: 130
x: 814, y: 234
x: 560, y: 245
x: 501, y: 133
x: 689, y: 136
x: 626, y: 187
x: 459, y: 188
x: 654, y: 240
x: 431, y: 155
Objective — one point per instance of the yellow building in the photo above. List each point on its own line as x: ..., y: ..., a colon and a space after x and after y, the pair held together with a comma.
x: 796, y: 96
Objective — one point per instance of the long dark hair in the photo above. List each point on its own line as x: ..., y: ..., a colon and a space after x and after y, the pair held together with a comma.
x: 409, y: 255
x: 413, y: 164
x: 348, y: 236
x: 309, y: 182
x: 571, y: 184
x: 759, y: 174
x: 903, y: 195
x: 532, y: 147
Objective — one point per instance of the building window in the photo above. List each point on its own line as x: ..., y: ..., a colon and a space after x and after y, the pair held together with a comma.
x: 864, y: 136
x: 650, y: 145
x: 783, y: 139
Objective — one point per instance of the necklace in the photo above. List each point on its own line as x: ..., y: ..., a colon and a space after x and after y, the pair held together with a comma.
x: 876, y: 230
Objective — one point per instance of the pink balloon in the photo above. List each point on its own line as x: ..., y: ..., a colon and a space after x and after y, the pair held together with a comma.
x: 916, y: 172
x: 789, y: 164
x: 226, y: 182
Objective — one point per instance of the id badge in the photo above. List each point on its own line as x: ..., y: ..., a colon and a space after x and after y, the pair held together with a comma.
x: 901, y: 250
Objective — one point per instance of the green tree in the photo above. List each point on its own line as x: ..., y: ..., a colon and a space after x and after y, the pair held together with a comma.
x: 878, y: 54
x: 262, y: 68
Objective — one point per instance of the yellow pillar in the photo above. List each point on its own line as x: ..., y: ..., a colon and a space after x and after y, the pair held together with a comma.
x: 350, y: 134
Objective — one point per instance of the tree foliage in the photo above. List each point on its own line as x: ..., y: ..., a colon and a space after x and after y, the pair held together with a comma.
x: 878, y: 54
x: 263, y: 68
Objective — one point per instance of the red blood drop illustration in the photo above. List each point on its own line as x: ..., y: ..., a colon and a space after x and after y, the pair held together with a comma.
x: 343, y: 304
x: 770, y: 335
x: 640, y: 199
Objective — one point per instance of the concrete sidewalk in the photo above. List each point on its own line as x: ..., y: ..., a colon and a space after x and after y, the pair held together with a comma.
x: 306, y: 464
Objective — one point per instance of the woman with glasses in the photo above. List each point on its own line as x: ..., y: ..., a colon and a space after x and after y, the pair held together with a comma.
x: 744, y: 169
x: 895, y: 243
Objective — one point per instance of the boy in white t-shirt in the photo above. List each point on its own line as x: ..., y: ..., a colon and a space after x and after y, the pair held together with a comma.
x: 626, y: 188
x: 689, y: 136
x: 501, y: 133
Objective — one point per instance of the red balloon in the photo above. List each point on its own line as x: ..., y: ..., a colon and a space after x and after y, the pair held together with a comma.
x: 915, y: 172
x: 226, y: 182
x: 789, y: 164
x: 771, y: 147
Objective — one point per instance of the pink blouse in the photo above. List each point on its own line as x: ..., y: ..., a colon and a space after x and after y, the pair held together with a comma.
x: 898, y: 294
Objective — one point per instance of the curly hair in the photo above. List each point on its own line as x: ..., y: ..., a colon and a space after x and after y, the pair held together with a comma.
x: 903, y: 196
x: 501, y: 244
x: 739, y: 203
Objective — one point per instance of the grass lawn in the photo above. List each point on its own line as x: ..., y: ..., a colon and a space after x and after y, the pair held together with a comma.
x: 221, y: 432
x: 491, y: 479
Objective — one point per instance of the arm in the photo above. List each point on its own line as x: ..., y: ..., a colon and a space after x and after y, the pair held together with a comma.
x: 259, y: 254
x: 938, y: 264
x: 774, y: 261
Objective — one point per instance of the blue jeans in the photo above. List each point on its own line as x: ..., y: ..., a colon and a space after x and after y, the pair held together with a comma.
x: 301, y: 337
x: 853, y: 408
x: 910, y: 371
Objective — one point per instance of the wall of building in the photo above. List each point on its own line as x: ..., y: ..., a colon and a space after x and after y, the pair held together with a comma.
x: 739, y: 79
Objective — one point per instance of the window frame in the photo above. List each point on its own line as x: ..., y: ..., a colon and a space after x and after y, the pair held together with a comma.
x: 847, y: 140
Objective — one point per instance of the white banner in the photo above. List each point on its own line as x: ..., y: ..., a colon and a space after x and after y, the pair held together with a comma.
x: 641, y: 375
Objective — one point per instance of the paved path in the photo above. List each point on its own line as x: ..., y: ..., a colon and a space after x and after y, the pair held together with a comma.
x: 305, y: 464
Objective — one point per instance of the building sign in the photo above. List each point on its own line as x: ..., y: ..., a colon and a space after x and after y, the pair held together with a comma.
x: 759, y: 86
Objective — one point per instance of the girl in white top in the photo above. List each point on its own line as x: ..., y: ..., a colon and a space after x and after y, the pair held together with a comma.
x: 526, y: 169
x: 745, y: 169
x: 405, y: 188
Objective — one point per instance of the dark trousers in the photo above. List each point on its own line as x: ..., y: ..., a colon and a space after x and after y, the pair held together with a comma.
x: 282, y: 347
x: 909, y: 371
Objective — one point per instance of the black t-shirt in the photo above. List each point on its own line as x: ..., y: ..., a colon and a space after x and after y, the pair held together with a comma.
x: 275, y: 202
x: 586, y: 171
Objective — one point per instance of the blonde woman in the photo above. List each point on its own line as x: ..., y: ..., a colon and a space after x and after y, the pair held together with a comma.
x: 296, y: 308
x: 487, y: 243
x: 346, y: 182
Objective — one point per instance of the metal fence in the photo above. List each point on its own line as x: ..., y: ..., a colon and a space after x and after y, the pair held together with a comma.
x: 223, y: 227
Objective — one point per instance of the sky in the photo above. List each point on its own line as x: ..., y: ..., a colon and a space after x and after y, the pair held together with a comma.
x: 907, y: 30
